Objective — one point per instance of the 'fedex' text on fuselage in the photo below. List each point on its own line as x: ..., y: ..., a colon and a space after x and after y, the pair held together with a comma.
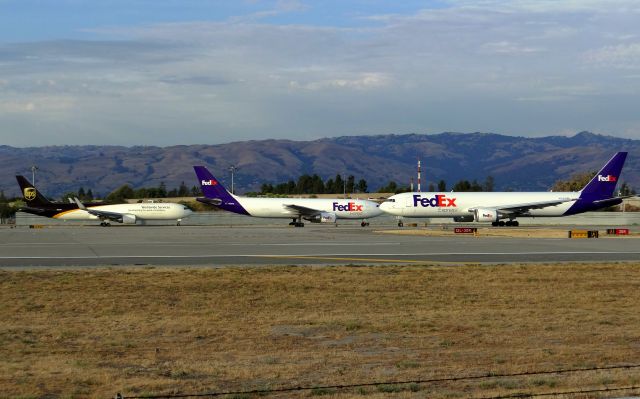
x: 438, y: 201
x: 350, y: 207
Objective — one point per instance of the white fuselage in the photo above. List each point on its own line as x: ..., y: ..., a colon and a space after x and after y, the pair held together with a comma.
x: 277, y: 207
x: 460, y: 204
x: 142, y: 211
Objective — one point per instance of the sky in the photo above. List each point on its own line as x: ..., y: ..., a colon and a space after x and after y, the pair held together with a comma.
x: 148, y: 72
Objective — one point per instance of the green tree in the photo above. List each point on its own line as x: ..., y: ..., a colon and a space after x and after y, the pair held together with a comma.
x: 462, y: 186
x: 183, y: 190
x: 489, y: 184
x: 329, y: 187
x: 575, y: 183
x: 442, y: 186
x: 121, y: 194
x: 626, y: 190
x: 392, y: 187
x: 338, y: 185
x: 266, y: 188
x: 304, y: 185
x: 65, y: 197
x: 162, y: 190
x: 351, y: 183
x: 317, y: 184
x: 362, y: 186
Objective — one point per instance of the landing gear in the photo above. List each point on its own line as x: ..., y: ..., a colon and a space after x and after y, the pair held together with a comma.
x: 509, y: 223
x: 105, y: 224
x: 297, y: 222
x: 178, y: 222
x: 364, y: 223
x: 400, y: 223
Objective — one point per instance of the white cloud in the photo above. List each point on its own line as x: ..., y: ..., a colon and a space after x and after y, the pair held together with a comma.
x: 622, y: 56
x: 519, y: 67
x: 362, y: 82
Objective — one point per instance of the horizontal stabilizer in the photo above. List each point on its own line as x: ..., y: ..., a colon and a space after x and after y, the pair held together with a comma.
x: 210, y: 201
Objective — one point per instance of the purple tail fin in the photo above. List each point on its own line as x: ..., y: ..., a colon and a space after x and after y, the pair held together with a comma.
x: 604, y: 182
x: 215, y: 193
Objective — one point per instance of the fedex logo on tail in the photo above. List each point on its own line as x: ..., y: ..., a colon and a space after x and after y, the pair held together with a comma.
x: 609, y: 178
x: 438, y: 201
x: 350, y: 207
x: 208, y: 182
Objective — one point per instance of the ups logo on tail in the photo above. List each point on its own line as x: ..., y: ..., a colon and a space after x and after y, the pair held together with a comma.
x: 29, y: 193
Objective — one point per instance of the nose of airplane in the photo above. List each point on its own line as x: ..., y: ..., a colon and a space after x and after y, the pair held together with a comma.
x: 387, y: 207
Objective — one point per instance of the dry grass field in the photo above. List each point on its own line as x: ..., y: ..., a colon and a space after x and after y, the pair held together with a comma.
x: 95, y: 332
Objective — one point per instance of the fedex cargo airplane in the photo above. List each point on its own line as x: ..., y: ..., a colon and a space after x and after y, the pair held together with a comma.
x: 315, y: 210
x: 38, y: 204
x: 495, y: 207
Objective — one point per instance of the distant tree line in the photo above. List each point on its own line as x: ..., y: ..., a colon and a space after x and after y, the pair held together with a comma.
x: 314, y: 184
x: 579, y: 180
x: 125, y: 192
x: 307, y: 184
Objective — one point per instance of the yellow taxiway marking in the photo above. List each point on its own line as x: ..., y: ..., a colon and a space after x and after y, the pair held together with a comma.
x: 379, y: 260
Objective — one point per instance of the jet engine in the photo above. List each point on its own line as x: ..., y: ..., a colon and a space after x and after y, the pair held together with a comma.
x: 486, y: 215
x: 323, y: 217
x: 128, y: 219
x: 464, y: 219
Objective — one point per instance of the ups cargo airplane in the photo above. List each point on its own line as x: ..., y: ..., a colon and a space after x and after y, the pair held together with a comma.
x: 37, y: 204
x: 315, y: 210
x: 494, y: 207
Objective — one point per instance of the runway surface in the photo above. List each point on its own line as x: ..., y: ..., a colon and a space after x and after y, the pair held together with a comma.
x: 251, y: 245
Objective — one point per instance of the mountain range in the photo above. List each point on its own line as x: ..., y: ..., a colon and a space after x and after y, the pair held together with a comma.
x: 515, y: 163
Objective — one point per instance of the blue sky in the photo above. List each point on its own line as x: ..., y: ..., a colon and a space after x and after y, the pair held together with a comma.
x: 188, y: 72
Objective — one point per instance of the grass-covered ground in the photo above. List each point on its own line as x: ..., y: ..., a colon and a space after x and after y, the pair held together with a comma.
x: 95, y: 332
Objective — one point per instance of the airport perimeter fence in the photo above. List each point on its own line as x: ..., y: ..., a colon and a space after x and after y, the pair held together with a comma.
x: 418, y: 385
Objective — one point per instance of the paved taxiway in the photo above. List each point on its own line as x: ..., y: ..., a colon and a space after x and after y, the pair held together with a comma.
x: 251, y: 245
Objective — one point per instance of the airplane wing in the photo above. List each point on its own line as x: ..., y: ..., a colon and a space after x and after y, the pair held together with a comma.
x: 303, y: 210
x: 524, y: 207
x: 103, y: 215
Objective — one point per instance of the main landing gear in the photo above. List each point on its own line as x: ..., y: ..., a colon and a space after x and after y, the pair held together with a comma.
x: 364, y: 223
x: 105, y: 224
x: 297, y: 222
x: 508, y: 223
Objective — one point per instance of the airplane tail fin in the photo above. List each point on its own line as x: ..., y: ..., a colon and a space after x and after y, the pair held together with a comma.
x: 30, y: 194
x: 604, y: 182
x: 215, y: 193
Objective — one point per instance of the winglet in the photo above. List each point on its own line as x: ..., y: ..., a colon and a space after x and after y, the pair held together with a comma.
x: 80, y: 204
